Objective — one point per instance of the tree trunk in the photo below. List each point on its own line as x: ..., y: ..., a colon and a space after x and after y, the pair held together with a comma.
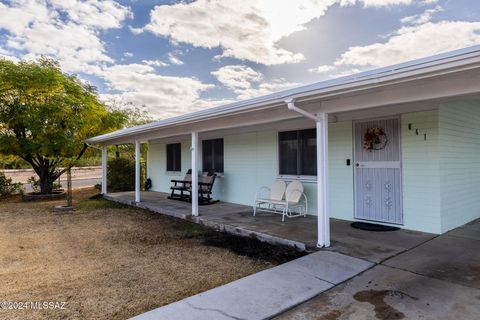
x: 46, y: 180
x: 45, y: 169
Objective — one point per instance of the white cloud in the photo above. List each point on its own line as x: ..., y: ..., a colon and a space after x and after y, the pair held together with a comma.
x: 237, y: 77
x: 411, y: 42
x: 385, y: 3
x: 135, y: 30
x: 249, y: 32
x: 174, y: 59
x: 155, y: 63
x: 343, y: 73
x: 65, y: 30
x: 381, y: 3
x: 418, y: 37
x: 248, y: 83
x: 128, y: 54
x: 322, y: 69
x: 94, y: 13
x: 265, y: 88
x: 421, y: 18
x: 164, y: 95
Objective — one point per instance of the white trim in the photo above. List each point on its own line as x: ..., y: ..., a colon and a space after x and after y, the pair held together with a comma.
x: 104, y: 170
x: 194, y: 195
x: 323, y: 221
x: 173, y: 173
x: 306, y: 179
x: 218, y: 174
x: 137, y: 171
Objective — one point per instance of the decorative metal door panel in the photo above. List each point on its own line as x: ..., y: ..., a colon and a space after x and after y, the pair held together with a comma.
x: 378, y: 187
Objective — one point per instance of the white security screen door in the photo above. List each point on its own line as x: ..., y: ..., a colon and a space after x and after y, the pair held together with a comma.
x: 378, y: 187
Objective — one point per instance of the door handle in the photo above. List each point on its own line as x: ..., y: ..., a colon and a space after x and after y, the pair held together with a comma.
x: 357, y: 165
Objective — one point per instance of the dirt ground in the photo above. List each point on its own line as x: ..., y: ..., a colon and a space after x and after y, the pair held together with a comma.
x: 106, y: 261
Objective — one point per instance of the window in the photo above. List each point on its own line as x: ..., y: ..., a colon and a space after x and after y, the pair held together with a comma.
x: 298, y: 152
x: 212, y: 154
x: 174, y: 157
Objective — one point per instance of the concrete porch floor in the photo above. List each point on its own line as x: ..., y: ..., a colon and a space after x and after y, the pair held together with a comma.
x: 300, y: 232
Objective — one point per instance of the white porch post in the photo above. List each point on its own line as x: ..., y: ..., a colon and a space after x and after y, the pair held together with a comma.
x: 104, y: 170
x: 322, y: 181
x: 137, y: 171
x: 194, y: 149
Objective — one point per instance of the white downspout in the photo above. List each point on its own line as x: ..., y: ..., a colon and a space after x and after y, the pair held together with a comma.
x: 323, y: 222
x: 194, y: 193
x: 137, y: 171
x: 104, y: 166
x: 104, y: 170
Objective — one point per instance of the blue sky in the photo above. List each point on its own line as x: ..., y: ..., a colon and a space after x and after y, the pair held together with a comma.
x: 175, y: 57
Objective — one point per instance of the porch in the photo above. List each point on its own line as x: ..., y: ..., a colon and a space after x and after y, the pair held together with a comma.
x: 300, y: 232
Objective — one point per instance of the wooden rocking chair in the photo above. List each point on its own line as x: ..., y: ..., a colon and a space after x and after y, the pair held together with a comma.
x: 205, y: 186
x: 180, y: 187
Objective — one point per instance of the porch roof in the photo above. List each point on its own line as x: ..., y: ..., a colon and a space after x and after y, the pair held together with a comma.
x: 325, y: 96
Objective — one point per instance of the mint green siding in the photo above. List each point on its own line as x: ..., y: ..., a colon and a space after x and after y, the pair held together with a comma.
x: 420, y: 171
x: 250, y: 161
x: 459, y: 147
x: 340, y: 176
x: 157, y: 165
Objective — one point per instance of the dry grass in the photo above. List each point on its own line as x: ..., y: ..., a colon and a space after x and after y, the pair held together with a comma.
x: 105, y: 260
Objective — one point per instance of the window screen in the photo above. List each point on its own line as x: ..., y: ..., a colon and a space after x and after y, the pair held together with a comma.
x: 298, y: 152
x: 212, y: 154
x: 174, y: 157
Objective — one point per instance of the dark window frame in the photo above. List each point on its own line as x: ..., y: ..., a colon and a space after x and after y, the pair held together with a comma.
x: 174, y: 150
x: 213, y: 155
x: 304, y: 162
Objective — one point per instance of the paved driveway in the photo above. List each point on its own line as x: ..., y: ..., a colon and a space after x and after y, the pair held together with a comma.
x: 439, y: 279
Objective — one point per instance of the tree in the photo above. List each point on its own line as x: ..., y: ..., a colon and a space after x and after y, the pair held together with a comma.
x: 45, y: 116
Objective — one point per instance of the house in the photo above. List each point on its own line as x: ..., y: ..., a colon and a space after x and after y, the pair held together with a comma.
x: 398, y: 145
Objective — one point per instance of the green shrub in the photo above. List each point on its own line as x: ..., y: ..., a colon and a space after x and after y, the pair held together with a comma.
x: 7, y: 187
x: 121, y: 174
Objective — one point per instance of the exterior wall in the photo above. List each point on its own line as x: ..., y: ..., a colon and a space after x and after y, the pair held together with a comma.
x: 251, y: 161
x: 459, y: 145
x: 157, y: 165
x: 420, y: 171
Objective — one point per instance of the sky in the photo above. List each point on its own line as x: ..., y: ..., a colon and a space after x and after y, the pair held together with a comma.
x: 174, y: 57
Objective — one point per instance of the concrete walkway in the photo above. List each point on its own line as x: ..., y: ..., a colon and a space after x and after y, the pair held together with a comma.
x: 267, y: 293
x: 438, y: 279
x: 409, y: 276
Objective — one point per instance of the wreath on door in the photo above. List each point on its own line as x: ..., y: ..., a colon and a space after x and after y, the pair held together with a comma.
x: 374, y: 139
